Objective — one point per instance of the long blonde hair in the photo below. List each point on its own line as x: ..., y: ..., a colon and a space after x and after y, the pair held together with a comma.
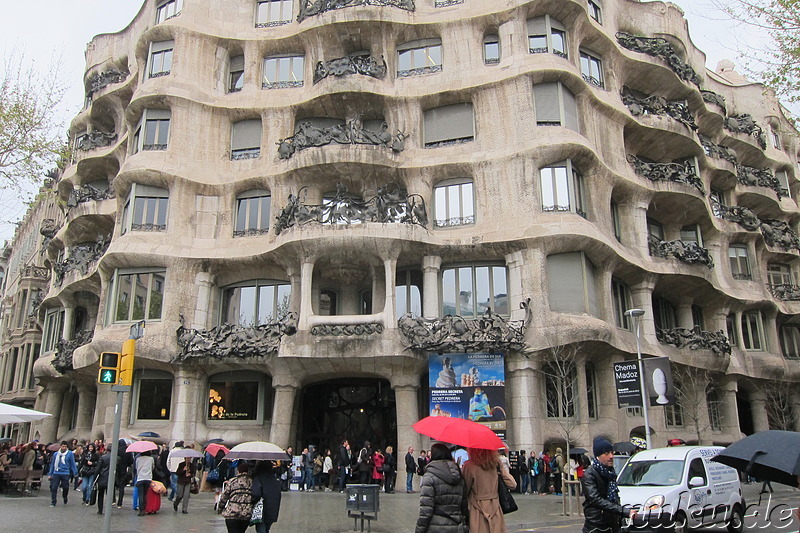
x: 486, y: 459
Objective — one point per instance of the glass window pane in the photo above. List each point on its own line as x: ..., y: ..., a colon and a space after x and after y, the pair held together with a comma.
x: 538, y: 43
x: 548, y: 192
x: 500, y: 290
x: 247, y: 306
x: 449, y: 292
x: 434, y: 55
x: 233, y: 400
x: 163, y: 131
x: 418, y: 58
x: 266, y: 303
x: 156, y: 297
x: 562, y: 189
x: 150, y: 132
x: 467, y: 201
x: 559, y: 42
x: 167, y: 66
x: 123, y: 296
x: 141, y: 282
x: 454, y: 201
x: 264, y: 209
x: 482, y: 290
x: 161, y: 220
x: 404, y: 60
x: 283, y: 300
x: 155, y: 399
x: 491, y: 51
x: 297, y: 68
x: 241, y: 214
x: 466, y: 293
x: 441, y: 203
x: 284, y: 67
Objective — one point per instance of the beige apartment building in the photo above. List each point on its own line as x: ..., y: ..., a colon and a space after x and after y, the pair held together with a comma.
x: 307, y: 200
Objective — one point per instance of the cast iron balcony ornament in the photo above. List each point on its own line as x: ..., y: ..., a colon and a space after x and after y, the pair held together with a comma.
x: 755, y: 177
x: 785, y: 291
x: 88, y: 193
x: 81, y: 257
x: 62, y: 361
x: 364, y: 65
x: 640, y: 104
x: 661, y: 48
x: 743, y: 216
x: 675, y: 172
x: 352, y: 132
x: 94, y: 139
x: 745, y: 123
x: 687, y: 252
x: 717, y: 150
x: 309, y: 8
x: 104, y: 79
x: 695, y: 339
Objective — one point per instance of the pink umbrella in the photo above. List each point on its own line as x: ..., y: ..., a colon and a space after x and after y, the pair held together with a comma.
x: 141, y: 446
x: 213, y: 448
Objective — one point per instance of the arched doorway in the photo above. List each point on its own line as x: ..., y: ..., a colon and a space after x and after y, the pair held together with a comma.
x: 356, y: 409
x: 745, y: 412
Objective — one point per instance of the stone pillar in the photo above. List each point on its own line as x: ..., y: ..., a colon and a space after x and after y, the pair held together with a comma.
x: 771, y: 337
x: 514, y: 263
x: 727, y: 408
x: 54, y: 401
x: 306, y: 306
x: 635, y: 231
x: 390, y: 273
x: 642, y: 296
x: 188, y: 399
x: 87, y: 397
x: 684, y: 316
x: 525, y: 408
x: 205, y: 286
x: 69, y: 320
x: 406, y: 387
x: 430, y: 285
x: 297, y: 290
x: 286, y: 389
x: 758, y: 406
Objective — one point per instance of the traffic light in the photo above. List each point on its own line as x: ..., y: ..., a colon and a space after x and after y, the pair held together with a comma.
x: 109, y: 368
x: 126, y: 362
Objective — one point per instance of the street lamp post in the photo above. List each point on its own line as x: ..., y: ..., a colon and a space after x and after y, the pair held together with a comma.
x: 636, y: 315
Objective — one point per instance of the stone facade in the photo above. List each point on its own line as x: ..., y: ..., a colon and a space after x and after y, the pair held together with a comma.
x: 266, y: 269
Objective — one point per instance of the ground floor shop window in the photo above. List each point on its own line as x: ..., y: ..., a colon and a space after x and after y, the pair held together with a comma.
x: 236, y: 396
x: 154, y: 398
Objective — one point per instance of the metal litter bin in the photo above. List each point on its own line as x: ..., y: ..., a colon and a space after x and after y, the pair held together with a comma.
x: 363, y: 499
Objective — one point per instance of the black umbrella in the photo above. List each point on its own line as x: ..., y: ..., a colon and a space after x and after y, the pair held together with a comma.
x: 625, y: 447
x: 766, y: 455
x: 578, y: 451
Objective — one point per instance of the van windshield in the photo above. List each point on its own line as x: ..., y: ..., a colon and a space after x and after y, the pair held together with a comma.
x: 656, y: 473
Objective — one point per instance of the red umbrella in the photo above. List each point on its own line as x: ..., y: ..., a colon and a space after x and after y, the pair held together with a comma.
x: 213, y: 448
x: 141, y: 446
x: 459, y: 431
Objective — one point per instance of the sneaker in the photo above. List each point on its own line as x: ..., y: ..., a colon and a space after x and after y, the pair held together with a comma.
x: 175, y: 506
x: 185, y: 512
x: 52, y: 505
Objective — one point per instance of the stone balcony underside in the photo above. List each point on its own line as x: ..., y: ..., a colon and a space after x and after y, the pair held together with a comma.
x: 695, y: 339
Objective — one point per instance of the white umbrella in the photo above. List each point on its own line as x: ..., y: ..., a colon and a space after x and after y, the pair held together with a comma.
x: 185, y: 452
x: 11, y: 414
x: 258, y: 450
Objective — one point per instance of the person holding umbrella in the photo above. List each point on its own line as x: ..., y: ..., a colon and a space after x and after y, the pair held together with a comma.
x: 267, y: 490
x: 442, y: 506
x: 185, y: 476
x: 480, y: 475
x: 145, y: 465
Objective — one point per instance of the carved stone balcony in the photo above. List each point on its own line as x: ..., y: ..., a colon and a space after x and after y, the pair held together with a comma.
x: 364, y: 65
x: 661, y: 48
x: 745, y: 123
x: 94, y: 139
x: 695, y: 339
x: 675, y: 172
x: 62, y: 361
x: 760, y: 178
x: 104, y: 79
x: 641, y: 104
x: 309, y: 8
x: 455, y: 333
x: 391, y: 205
x: 81, y: 257
x: 779, y: 234
x: 352, y: 132
x: 687, y: 252
x: 785, y: 292
x: 231, y: 341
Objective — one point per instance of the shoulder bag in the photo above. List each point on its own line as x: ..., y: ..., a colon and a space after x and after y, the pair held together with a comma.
x: 507, y: 503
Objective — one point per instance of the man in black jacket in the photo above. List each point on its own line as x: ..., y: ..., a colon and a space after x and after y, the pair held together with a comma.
x: 411, y: 467
x: 343, y: 461
x: 601, y: 506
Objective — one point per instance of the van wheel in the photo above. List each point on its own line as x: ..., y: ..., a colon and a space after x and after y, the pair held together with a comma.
x: 736, y: 523
x: 680, y: 524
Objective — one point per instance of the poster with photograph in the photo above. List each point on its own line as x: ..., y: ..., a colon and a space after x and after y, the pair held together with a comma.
x: 470, y: 386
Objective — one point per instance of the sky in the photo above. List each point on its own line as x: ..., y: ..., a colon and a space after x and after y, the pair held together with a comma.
x: 60, y: 30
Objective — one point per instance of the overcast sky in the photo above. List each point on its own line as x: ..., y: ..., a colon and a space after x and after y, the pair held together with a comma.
x: 62, y: 28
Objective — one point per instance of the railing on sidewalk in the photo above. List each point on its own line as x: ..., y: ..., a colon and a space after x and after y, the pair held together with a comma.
x: 571, y: 502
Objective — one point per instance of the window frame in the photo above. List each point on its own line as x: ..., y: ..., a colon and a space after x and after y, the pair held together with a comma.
x: 740, y: 262
x: 240, y: 131
x: 616, y: 224
x: 552, y: 27
x: 263, y: 217
x: 164, y: 9
x: 589, y: 304
x: 621, y: 299
x: 264, y: 398
x: 477, y: 311
x: 268, y: 21
x: 291, y: 81
x: 565, y: 103
x: 595, y: 11
x: 145, y: 193
x: 590, y: 60
x: 235, y: 73
x: 591, y: 391
x: 278, y: 286
x: 152, y: 118
x: 464, y: 218
x: 790, y: 341
x: 409, y: 283
x: 112, y: 313
x: 461, y: 113
x: 752, y: 325
x: 779, y: 274
x: 665, y: 316
x: 53, y: 329
x: 491, y: 40
x: 432, y: 62
x: 164, y: 51
x: 151, y: 375
x: 574, y: 188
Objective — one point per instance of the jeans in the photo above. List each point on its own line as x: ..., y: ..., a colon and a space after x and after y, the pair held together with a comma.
x: 525, y: 480
x: 143, y: 486
x: 342, y: 483
x: 263, y: 527
x: 173, y: 485
x: 409, y: 481
x: 59, y: 480
x: 87, y: 487
x: 309, y: 479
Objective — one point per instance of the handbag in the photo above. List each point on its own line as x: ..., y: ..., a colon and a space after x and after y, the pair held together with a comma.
x: 213, y: 475
x: 507, y: 503
x: 194, y: 488
x: 258, y: 512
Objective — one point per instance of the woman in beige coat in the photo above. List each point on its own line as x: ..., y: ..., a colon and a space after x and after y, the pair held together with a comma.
x: 480, y: 475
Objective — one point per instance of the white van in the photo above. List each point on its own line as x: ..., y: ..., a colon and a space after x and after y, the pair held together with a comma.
x: 681, y: 488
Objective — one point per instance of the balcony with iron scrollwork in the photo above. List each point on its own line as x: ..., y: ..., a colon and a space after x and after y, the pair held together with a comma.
x: 745, y: 123
x: 718, y: 151
x: 695, y: 339
x: 310, y: 8
x: 778, y: 233
x: 674, y: 172
x: 754, y: 177
x: 687, y: 252
x: 350, y: 133
x: 101, y: 80
x: 94, y: 139
x: 661, y: 48
x: 364, y: 65
x: 786, y: 292
x: 743, y: 216
x: 62, y: 361
x: 81, y: 258
x: 640, y: 104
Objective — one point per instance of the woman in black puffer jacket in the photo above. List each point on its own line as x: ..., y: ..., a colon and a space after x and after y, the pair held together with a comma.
x: 442, y: 505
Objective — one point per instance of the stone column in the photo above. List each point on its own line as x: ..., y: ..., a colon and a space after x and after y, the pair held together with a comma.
x: 286, y: 389
x: 188, y: 403
x: 634, y: 227
x: 87, y: 397
x: 306, y: 305
x: 684, y: 316
x: 297, y: 290
x: 514, y: 263
x: 523, y: 396
x: 390, y: 273
x: 642, y: 296
x: 54, y: 401
x: 758, y: 406
x: 430, y: 285
x: 406, y: 389
x: 205, y: 285
x: 69, y: 320
x: 727, y: 408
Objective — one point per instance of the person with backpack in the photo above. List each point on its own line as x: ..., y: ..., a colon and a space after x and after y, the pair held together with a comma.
x: 557, y: 469
x: 545, y: 473
x: 364, y: 463
x: 535, y: 468
x: 524, y: 473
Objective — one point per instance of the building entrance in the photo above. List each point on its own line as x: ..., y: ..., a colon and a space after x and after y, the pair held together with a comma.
x: 356, y: 409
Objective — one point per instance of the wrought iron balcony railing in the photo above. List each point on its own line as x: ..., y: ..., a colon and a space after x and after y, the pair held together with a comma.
x: 785, y: 291
x: 688, y: 252
x: 695, y: 339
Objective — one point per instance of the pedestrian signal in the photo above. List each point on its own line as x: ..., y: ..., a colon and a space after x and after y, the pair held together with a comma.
x: 109, y: 368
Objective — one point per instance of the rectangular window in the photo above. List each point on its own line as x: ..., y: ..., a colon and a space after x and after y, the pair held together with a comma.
x: 783, y: 179
x: 450, y: 124
x: 621, y: 295
x: 591, y: 391
x: 664, y: 314
x: 408, y: 293
x: 717, y: 198
x: 571, y: 281
x: 468, y: 291
x: 691, y: 234
x: 23, y: 305
x: 138, y: 296
x: 152, y: 132
x: 615, y: 221
x: 491, y: 49
x: 255, y: 303
x: 160, y: 59
x: 419, y: 57
x: 233, y: 400
x: 753, y: 331
x: 236, y: 76
x: 547, y: 35
x: 246, y: 139
x: 594, y: 11
x: 790, y: 341
x: 555, y: 105
x: 454, y: 204
x: 740, y: 265
x: 283, y: 72
x: 655, y: 229
x: 150, y: 207
x: 252, y: 214
x: 730, y: 328
x: 155, y: 399
x: 714, y: 412
x: 673, y: 415
x: 559, y: 384
x: 53, y: 328
x: 592, y: 69
x: 273, y: 13
x: 559, y: 192
x: 168, y: 9
x: 779, y: 274
x: 776, y: 139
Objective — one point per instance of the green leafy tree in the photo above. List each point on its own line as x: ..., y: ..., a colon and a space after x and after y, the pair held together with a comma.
x: 30, y: 138
x: 777, y: 64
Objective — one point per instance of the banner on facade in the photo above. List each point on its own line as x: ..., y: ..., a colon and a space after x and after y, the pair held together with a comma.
x: 469, y: 386
x: 626, y: 379
x: 658, y: 381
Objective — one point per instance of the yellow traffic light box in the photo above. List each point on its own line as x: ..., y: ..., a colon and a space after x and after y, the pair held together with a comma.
x: 109, y: 368
x: 126, y: 362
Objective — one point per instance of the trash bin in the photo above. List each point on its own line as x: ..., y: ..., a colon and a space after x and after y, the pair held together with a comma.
x: 363, y: 498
